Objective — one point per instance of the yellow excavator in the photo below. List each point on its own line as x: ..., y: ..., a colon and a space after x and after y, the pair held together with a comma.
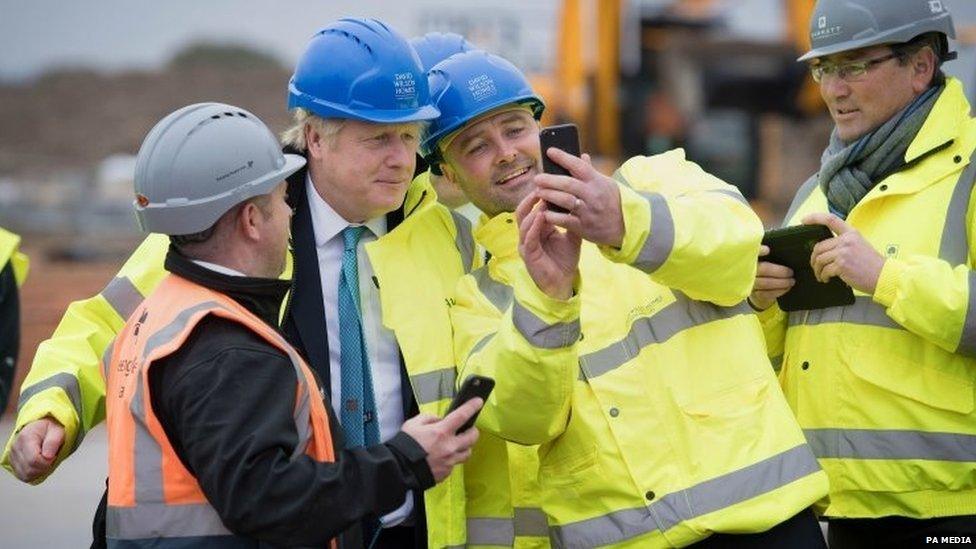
x: 585, y: 80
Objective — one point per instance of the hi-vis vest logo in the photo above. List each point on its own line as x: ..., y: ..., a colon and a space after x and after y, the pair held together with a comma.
x: 936, y: 6
x: 822, y: 22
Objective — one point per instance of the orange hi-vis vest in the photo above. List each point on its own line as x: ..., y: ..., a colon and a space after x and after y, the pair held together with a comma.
x: 153, y: 501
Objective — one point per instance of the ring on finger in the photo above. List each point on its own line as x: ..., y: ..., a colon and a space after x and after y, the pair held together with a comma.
x: 576, y: 206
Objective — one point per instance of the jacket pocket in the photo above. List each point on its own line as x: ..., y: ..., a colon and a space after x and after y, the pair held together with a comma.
x: 710, y: 430
x: 935, y: 378
x: 730, y: 403
x: 560, y: 468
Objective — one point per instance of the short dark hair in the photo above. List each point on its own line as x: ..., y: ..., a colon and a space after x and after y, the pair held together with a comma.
x: 182, y: 241
x: 934, y: 40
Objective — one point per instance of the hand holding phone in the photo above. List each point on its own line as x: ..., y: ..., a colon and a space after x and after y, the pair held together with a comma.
x: 473, y: 386
x: 564, y: 137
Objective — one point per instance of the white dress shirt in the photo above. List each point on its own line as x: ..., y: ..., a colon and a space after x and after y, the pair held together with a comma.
x: 217, y: 268
x: 381, y: 345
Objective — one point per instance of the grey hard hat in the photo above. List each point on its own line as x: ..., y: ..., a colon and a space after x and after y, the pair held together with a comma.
x: 202, y: 160
x: 844, y: 25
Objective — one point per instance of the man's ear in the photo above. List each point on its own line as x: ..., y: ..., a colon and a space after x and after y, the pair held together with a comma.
x: 314, y: 142
x: 249, y: 221
x: 923, y: 69
x: 449, y: 172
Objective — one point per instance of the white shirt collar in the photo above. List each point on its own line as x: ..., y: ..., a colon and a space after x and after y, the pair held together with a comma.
x: 217, y: 268
x: 327, y: 223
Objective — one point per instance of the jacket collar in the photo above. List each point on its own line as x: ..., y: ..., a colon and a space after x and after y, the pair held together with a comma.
x: 499, y: 235
x: 950, y: 111
x: 261, y: 296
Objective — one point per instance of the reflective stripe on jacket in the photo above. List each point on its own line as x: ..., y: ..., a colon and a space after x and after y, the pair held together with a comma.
x: 65, y: 381
x: 884, y: 388
x: 153, y: 500
x: 658, y: 414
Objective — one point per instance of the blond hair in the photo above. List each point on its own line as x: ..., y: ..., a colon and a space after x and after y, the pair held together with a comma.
x: 294, y: 136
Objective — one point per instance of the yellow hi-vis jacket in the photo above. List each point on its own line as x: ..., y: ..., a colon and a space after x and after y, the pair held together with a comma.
x: 883, y: 388
x: 417, y: 266
x: 657, y: 412
x: 9, y: 244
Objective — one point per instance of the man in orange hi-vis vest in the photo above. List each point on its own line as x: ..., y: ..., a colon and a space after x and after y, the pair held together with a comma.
x: 219, y: 434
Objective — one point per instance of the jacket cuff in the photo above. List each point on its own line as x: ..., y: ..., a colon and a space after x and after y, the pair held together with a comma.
x: 886, y: 290
x: 412, y: 457
x: 636, y: 211
x: 767, y: 314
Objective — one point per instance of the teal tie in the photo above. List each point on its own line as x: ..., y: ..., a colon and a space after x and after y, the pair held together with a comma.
x: 358, y: 415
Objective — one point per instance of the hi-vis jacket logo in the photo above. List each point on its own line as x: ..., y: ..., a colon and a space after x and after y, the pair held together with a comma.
x: 824, y: 30
x: 936, y: 6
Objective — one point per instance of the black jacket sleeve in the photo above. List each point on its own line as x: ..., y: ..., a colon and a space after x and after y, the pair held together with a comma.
x: 226, y: 400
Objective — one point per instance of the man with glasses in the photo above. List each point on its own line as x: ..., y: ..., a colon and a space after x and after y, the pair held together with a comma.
x: 883, y: 388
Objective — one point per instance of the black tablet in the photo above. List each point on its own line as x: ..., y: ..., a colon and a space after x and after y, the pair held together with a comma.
x: 792, y: 246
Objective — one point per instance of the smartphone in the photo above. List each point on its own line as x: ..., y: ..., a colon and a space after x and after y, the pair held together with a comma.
x: 473, y: 386
x: 564, y: 137
x: 792, y: 247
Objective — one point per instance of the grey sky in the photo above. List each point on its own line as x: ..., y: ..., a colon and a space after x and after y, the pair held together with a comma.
x: 118, y: 34
x: 110, y: 35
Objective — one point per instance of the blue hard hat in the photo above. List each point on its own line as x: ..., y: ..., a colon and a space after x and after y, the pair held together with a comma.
x: 469, y: 84
x: 435, y: 47
x: 361, y: 69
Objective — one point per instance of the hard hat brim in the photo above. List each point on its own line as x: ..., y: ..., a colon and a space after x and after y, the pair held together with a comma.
x: 431, y: 144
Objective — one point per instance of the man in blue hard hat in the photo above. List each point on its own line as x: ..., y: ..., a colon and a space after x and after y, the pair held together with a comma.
x: 631, y: 359
x: 433, y: 48
x: 361, y: 221
x: 883, y: 388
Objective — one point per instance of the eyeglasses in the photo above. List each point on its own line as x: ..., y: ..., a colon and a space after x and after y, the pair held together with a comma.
x: 852, y: 71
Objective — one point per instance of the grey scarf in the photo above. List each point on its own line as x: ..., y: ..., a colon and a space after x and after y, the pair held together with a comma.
x: 849, y: 171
